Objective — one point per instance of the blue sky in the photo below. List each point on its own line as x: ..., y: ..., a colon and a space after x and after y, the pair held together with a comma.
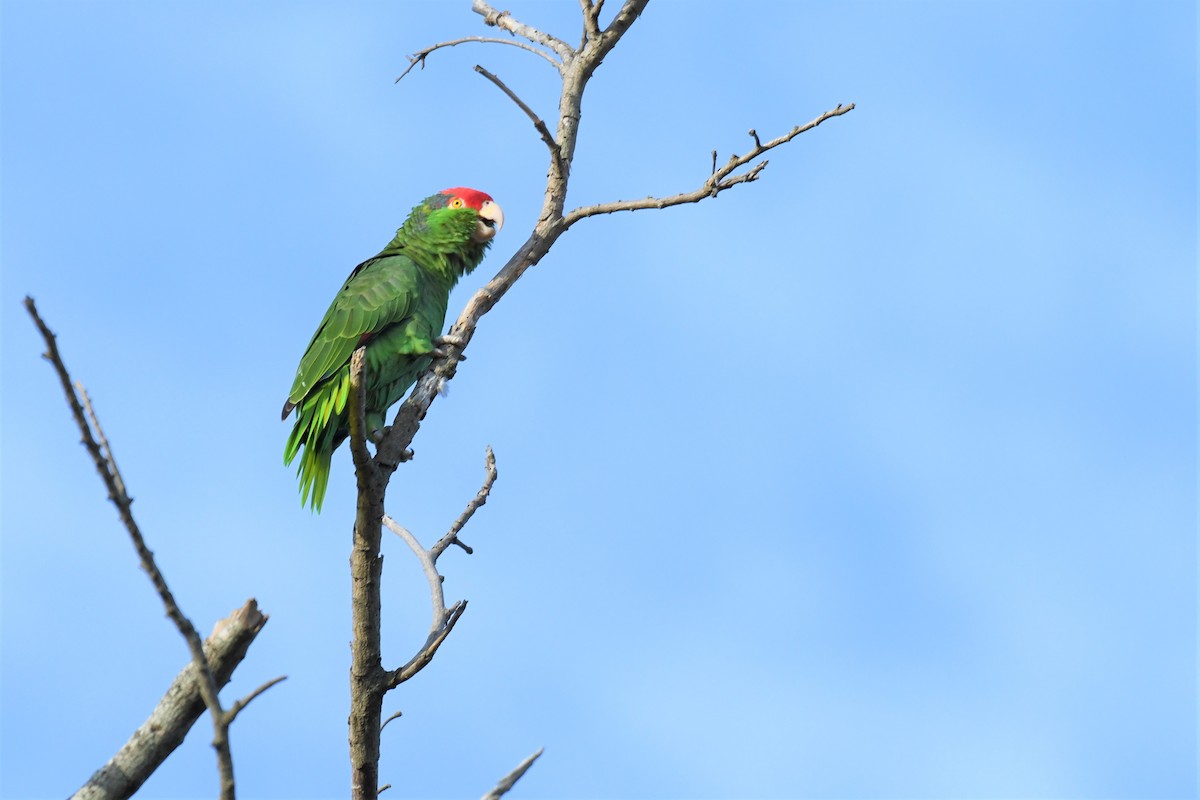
x: 875, y: 478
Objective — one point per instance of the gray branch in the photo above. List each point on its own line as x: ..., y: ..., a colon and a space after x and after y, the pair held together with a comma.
x: 506, y: 22
x: 542, y: 130
x: 106, y: 465
x: 420, y: 56
x: 720, y: 179
x: 451, y: 537
x: 510, y: 780
x: 577, y: 67
x: 176, y: 712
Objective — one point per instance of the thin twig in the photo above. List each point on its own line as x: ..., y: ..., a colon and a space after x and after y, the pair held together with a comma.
x: 239, y: 705
x: 480, y: 498
x: 396, y: 715
x: 420, y: 56
x: 506, y: 22
x: 510, y: 780
x: 426, y: 653
x: 95, y: 423
x: 542, y: 130
x: 208, y: 684
x: 718, y: 181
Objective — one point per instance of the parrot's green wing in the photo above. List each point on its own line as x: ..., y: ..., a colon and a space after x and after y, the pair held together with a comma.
x: 379, y: 293
x: 376, y: 300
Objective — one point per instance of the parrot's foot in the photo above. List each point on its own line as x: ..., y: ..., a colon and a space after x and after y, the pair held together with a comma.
x: 444, y: 346
x: 378, y: 434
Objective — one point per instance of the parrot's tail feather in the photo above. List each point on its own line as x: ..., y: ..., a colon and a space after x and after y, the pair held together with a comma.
x: 314, y: 476
x: 318, y: 424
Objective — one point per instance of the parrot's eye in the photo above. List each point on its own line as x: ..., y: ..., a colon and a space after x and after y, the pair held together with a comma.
x: 456, y: 203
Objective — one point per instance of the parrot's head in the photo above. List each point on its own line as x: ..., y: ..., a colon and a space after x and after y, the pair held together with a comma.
x: 489, y: 218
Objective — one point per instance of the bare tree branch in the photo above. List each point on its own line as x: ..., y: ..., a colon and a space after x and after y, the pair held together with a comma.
x: 429, y: 566
x: 443, y: 619
x: 426, y: 653
x: 116, y: 492
x: 577, y: 68
x: 591, y: 23
x: 506, y: 22
x: 451, y: 537
x: 420, y: 56
x: 176, y: 712
x: 240, y: 705
x: 395, y: 715
x: 542, y: 130
x: 718, y: 181
x: 510, y: 780
x: 94, y: 421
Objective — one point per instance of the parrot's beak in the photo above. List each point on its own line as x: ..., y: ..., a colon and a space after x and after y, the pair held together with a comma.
x: 491, y: 220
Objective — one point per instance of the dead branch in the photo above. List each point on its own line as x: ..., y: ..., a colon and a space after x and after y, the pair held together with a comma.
x: 240, y: 705
x: 429, y: 567
x: 106, y: 465
x: 425, y: 654
x: 506, y: 22
x: 176, y: 712
x: 510, y: 780
x: 451, y: 537
x: 576, y: 66
x: 720, y: 179
x: 94, y: 421
x: 420, y: 56
x: 395, y: 715
x: 542, y: 130
x: 443, y: 618
x: 591, y: 20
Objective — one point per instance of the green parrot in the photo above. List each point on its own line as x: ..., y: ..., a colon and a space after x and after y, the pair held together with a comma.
x: 395, y: 305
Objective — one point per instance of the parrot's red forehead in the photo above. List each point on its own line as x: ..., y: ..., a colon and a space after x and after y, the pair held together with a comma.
x: 473, y: 198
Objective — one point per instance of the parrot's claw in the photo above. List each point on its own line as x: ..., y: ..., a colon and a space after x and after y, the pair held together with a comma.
x: 378, y: 434
x: 444, y: 346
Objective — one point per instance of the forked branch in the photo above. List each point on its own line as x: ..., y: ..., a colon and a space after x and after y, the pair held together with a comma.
x: 98, y: 446
x: 722, y: 178
x: 164, y: 730
x: 444, y: 619
x: 418, y: 58
x: 576, y: 66
x: 507, y: 22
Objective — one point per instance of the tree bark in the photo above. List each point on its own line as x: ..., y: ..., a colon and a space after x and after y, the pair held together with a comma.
x: 176, y: 712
